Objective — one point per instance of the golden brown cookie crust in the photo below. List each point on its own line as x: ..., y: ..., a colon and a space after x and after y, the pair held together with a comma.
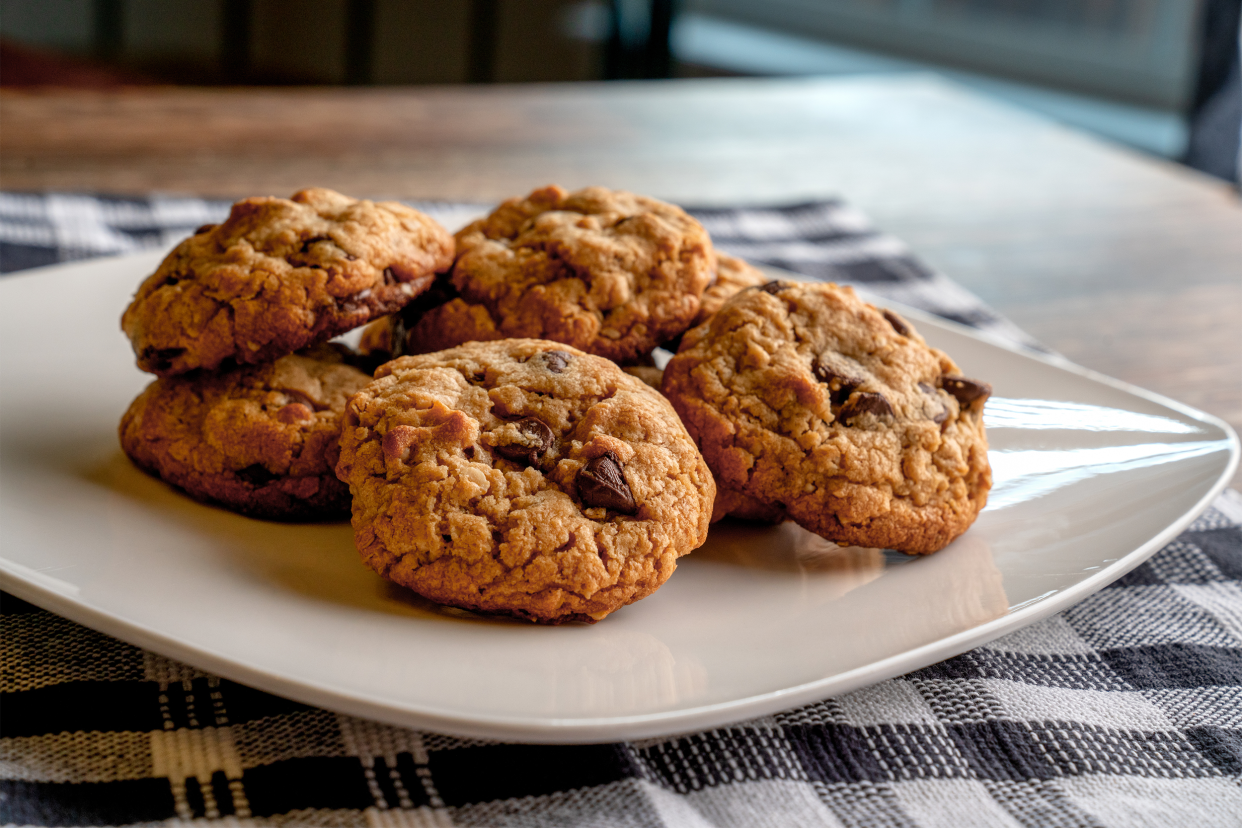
x: 807, y: 399
x: 279, y: 275
x: 261, y: 440
x: 734, y: 504
x: 607, y: 271
x: 733, y: 275
x: 487, y: 477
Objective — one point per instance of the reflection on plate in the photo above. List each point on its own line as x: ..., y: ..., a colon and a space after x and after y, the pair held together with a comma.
x: 1091, y: 477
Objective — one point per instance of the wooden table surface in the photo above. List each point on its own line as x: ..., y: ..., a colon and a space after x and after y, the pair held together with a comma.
x: 1125, y: 264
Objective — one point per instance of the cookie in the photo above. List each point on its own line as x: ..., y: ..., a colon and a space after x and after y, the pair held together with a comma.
x: 731, y: 503
x: 612, y: 273
x: 649, y: 374
x: 261, y: 440
x: 381, y: 340
x: 386, y: 337
x: 279, y: 275
x: 732, y: 276
x: 521, y: 477
x: 809, y: 401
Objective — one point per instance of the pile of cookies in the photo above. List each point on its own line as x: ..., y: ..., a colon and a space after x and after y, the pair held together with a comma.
x: 237, y: 417
x: 498, y: 434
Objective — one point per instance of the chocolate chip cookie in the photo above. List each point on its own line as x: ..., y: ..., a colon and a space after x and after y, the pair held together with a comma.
x: 261, y: 440
x: 521, y: 477
x: 612, y: 273
x: 805, y: 399
x: 279, y: 275
x: 732, y: 276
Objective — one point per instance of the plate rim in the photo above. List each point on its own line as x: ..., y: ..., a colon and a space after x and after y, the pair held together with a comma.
x: 27, y: 586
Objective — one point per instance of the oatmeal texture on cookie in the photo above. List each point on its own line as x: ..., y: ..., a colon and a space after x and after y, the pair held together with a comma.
x: 733, y: 275
x: 815, y: 405
x: 521, y: 477
x: 261, y: 440
x: 279, y: 275
x: 607, y: 271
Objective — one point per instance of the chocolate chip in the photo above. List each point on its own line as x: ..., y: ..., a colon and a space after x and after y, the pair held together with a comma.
x: 775, y: 287
x: 172, y: 280
x: 966, y: 390
x: 256, y: 475
x: 839, y: 386
x: 865, y: 402
x: 538, y: 439
x: 556, y: 360
x: 601, y: 483
x: 899, y: 324
x: 206, y: 228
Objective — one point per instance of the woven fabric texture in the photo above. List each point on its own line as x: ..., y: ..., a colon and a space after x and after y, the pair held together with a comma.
x: 1125, y: 710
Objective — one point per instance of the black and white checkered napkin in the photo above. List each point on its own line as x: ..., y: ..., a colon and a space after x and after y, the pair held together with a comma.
x: 1125, y: 710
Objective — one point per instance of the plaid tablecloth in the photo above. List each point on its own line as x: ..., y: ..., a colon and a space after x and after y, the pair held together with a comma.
x: 1125, y: 710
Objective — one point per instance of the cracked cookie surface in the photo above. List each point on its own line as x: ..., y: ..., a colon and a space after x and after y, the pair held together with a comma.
x: 261, y: 440
x: 612, y: 273
x: 808, y: 401
x: 521, y: 477
x: 279, y: 275
x: 733, y: 275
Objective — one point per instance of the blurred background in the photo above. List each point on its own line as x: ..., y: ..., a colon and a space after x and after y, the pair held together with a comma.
x: 1158, y: 75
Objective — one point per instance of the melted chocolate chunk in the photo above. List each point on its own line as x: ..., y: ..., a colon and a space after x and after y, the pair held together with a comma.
x: 538, y: 440
x: 601, y: 483
x: 256, y: 475
x: 966, y: 390
x: 556, y: 360
x: 775, y: 287
x: 899, y: 324
x: 865, y: 402
x: 170, y: 281
x: 839, y: 386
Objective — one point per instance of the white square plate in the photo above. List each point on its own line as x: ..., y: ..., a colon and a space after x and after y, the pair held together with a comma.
x: 1092, y: 477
